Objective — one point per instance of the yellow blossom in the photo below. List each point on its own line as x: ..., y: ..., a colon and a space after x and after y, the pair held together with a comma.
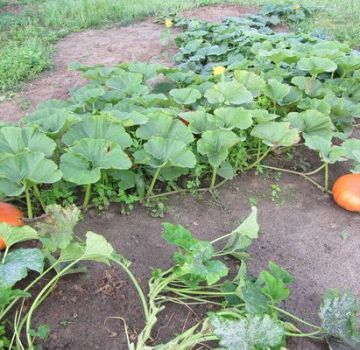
x: 297, y: 7
x: 218, y: 70
x: 168, y: 23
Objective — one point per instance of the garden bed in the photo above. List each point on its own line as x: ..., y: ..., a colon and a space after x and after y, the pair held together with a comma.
x: 302, y: 228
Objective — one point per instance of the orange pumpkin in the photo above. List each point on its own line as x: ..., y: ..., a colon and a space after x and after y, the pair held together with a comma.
x: 11, y: 216
x: 346, y: 192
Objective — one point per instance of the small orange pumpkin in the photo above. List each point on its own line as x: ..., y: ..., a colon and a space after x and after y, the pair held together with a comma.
x: 11, y: 216
x: 346, y: 192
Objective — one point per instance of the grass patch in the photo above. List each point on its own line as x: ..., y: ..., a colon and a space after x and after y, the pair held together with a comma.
x: 27, y: 38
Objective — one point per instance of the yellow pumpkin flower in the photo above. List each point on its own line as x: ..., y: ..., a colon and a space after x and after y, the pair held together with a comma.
x: 297, y: 7
x: 168, y: 23
x: 218, y: 70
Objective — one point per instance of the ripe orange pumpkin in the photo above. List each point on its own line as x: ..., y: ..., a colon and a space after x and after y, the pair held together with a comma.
x: 11, y: 216
x: 346, y: 192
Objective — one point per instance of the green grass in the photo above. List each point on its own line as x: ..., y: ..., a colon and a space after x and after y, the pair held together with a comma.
x: 26, y: 39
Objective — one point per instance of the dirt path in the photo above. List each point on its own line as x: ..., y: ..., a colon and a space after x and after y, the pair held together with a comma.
x: 300, y: 231
x: 136, y: 42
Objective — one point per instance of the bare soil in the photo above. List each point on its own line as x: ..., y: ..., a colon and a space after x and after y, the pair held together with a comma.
x: 302, y: 230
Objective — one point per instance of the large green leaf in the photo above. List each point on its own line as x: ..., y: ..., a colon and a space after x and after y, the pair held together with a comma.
x: 148, y: 70
x: 17, y: 263
x: 170, y: 152
x: 52, y: 121
x: 166, y: 127
x: 251, y: 81
x: 97, y: 248
x: 12, y: 235
x: 97, y: 127
x: 128, y: 84
x: 311, y: 122
x: 83, y: 162
x: 18, y: 169
x: 338, y: 314
x: 185, y: 96
x: 229, y: 118
x: 316, y: 65
x: 276, y: 90
x: 178, y: 236
x: 88, y: 94
x: 229, y: 93
x: 14, y: 139
x: 276, y: 134
x: 199, y: 121
x: 215, y: 144
x: 311, y: 87
x: 248, y: 333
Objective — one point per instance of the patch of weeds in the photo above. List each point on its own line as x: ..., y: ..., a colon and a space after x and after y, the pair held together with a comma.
x: 4, y: 341
x: 275, y: 192
x: 156, y: 208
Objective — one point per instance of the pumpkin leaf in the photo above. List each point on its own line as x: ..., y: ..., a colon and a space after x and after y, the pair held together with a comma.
x: 166, y: 152
x: 59, y: 224
x: 311, y: 122
x: 52, y: 121
x: 13, y: 234
x: 166, y: 127
x: 128, y: 84
x: 229, y: 118
x: 215, y: 144
x: 185, y: 96
x: 338, y: 314
x: 199, y: 121
x: 83, y: 162
x: 316, y: 65
x: 254, y: 83
x: 311, y: 87
x: 97, y: 127
x: 229, y: 93
x: 276, y: 134
x: 97, y: 248
x: 14, y: 139
x: 275, y: 90
x: 19, y: 169
x: 248, y: 333
x: 17, y: 263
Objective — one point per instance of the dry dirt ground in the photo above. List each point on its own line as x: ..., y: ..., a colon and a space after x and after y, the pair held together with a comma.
x: 302, y: 230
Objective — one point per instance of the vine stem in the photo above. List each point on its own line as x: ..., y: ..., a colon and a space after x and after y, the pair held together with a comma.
x: 326, y: 177
x: 87, y: 195
x: 38, y: 197
x: 213, y: 179
x: 153, y: 181
x: 258, y: 160
x: 183, y: 190
x: 304, y: 175
x: 137, y: 287
x: 38, y: 299
x: 296, y: 318
x: 28, y: 203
